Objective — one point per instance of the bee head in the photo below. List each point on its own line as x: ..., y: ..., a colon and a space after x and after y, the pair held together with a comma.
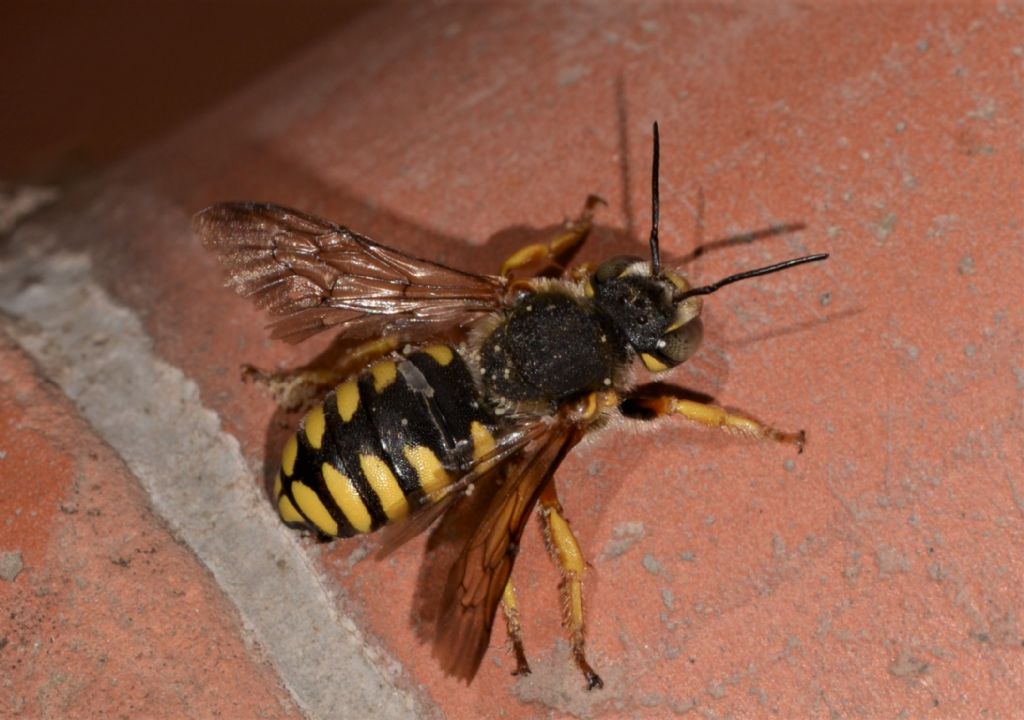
x: 661, y: 328
x: 657, y: 311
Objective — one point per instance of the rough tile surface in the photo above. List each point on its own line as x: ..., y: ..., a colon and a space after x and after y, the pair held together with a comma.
x: 105, y: 614
x: 876, y: 574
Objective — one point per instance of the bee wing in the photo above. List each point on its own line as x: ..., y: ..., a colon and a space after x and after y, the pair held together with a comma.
x: 478, y: 577
x: 485, y: 512
x: 313, y: 275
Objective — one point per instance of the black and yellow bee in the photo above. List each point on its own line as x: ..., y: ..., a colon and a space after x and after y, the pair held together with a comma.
x: 466, y: 386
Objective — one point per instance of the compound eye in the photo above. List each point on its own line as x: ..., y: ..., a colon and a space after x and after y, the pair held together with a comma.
x: 613, y: 268
x: 683, y: 342
x: 675, y: 347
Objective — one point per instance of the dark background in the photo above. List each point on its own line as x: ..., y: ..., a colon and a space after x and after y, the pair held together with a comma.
x: 84, y: 83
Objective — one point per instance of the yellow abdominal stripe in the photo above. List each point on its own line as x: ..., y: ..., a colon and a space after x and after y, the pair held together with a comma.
x: 285, y: 508
x: 347, y: 397
x: 483, y: 441
x: 429, y: 469
x: 384, y: 373
x: 313, y: 508
x: 313, y: 425
x: 288, y: 456
x: 442, y: 354
x: 384, y: 483
x: 288, y: 512
x: 346, y: 497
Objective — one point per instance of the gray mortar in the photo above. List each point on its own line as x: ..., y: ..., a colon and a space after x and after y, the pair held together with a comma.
x: 197, y: 480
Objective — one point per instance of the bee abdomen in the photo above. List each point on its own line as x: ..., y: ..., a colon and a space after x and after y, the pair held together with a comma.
x: 383, y: 443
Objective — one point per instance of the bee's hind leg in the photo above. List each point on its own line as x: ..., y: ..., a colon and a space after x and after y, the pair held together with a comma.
x: 292, y: 389
x: 510, y: 608
x: 566, y: 554
x: 561, y: 248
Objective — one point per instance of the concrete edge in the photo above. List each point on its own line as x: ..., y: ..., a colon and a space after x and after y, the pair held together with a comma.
x: 197, y: 480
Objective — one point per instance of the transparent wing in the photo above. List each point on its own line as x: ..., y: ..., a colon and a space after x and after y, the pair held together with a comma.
x: 313, y: 275
x: 484, y: 513
x: 477, y: 579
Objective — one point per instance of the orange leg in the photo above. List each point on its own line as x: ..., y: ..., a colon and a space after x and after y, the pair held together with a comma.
x: 563, y: 245
x: 716, y: 417
x: 566, y: 554
x: 510, y: 608
x: 294, y: 388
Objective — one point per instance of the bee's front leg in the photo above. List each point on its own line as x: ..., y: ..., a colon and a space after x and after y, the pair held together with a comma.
x: 564, y: 245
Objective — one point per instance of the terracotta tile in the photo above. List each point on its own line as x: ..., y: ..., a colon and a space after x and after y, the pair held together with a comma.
x: 108, y: 616
x: 876, y: 574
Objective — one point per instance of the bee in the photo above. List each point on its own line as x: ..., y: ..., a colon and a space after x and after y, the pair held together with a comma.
x: 467, y: 390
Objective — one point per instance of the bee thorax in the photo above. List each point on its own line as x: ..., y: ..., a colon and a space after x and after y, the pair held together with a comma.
x: 550, y: 346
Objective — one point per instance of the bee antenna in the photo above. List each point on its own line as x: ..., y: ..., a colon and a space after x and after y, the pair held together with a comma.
x: 708, y: 289
x: 655, y: 257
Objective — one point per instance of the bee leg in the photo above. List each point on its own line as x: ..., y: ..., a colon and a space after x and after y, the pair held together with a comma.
x: 292, y: 389
x: 510, y: 608
x: 363, y: 354
x: 713, y: 416
x: 566, y: 554
x: 564, y: 245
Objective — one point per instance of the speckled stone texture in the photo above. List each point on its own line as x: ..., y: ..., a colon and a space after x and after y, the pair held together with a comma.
x: 878, y: 574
